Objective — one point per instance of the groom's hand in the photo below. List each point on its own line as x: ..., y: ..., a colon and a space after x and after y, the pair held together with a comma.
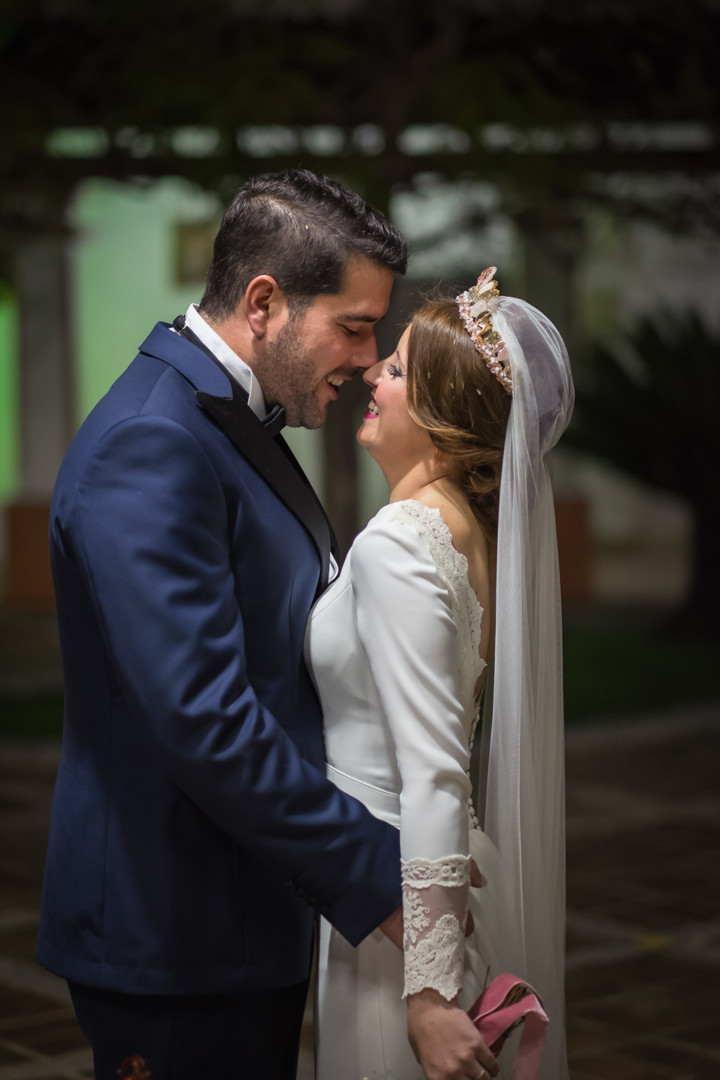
x: 392, y: 927
x: 477, y: 881
x: 445, y: 1041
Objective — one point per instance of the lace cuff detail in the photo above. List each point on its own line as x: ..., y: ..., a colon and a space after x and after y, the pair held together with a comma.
x: 452, y: 870
x: 435, y: 896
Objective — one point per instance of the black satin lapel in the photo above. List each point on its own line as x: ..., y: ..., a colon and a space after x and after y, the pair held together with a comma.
x: 276, y: 465
x: 299, y: 469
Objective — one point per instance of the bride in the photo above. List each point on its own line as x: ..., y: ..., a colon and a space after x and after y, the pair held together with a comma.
x: 455, y: 577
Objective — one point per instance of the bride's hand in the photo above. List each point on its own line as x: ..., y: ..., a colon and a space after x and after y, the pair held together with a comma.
x: 445, y: 1041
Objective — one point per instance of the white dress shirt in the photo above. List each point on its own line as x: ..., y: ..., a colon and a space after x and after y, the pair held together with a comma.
x: 229, y: 360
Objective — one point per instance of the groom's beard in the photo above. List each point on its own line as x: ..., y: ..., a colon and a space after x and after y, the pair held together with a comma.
x: 289, y: 378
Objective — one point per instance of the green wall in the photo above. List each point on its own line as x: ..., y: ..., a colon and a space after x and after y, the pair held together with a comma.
x: 125, y: 278
x: 125, y: 273
x: 8, y: 397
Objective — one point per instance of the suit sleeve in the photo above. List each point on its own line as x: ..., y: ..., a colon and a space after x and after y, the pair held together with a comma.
x: 151, y: 533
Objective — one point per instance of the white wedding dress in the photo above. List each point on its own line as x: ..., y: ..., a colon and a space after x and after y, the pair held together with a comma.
x: 393, y: 648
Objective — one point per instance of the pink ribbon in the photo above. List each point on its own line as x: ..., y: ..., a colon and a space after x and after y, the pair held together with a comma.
x: 504, y: 1005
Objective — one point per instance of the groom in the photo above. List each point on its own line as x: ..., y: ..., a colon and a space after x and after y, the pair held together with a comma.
x: 194, y: 834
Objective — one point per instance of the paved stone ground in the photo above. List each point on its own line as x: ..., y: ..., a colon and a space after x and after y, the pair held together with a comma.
x: 643, y: 971
x: 643, y: 963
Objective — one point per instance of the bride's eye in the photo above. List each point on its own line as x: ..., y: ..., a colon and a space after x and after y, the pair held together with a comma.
x: 395, y: 372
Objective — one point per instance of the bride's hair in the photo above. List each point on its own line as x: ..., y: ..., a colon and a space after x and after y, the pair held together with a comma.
x: 453, y: 395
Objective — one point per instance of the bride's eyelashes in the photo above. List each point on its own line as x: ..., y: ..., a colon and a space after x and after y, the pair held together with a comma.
x: 395, y: 372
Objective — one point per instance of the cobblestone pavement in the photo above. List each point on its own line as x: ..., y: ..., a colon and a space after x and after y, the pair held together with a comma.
x: 643, y: 965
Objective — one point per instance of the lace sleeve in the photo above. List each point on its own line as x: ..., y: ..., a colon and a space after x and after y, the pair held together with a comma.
x: 415, y: 648
x: 435, y: 897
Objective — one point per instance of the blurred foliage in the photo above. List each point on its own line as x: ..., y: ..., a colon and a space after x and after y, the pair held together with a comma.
x: 647, y: 404
x: 621, y: 669
x: 31, y: 718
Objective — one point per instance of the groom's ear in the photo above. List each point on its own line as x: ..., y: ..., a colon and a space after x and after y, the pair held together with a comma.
x: 265, y: 302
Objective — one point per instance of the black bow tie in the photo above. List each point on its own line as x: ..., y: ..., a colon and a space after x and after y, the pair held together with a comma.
x: 274, y: 422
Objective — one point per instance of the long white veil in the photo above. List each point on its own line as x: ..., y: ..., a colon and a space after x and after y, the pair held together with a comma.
x: 524, y: 812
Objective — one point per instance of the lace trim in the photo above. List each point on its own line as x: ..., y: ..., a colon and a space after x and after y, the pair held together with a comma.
x: 452, y: 870
x: 434, y: 959
x: 434, y: 910
x: 452, y: 566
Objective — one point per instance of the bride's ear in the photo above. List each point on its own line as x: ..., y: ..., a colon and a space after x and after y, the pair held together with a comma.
x: 445, y: 463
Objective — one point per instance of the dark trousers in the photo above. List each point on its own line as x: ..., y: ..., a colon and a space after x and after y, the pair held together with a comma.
x: 253, y: 1035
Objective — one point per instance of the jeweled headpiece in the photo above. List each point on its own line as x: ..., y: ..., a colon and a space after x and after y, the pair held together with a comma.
x: 476, y: 308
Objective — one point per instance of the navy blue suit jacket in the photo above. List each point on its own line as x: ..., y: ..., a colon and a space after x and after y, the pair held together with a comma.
x: 193, y: 829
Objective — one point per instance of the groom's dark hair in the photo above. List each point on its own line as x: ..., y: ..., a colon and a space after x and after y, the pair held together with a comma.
x: 301, y: 228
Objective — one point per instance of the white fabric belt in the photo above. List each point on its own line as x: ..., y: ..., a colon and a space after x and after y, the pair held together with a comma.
x: 383, y: 804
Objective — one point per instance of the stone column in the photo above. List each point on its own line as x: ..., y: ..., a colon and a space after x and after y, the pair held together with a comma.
x: 47, y: 416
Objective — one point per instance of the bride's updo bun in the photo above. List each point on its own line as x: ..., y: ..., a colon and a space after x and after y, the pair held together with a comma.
x: 452, y: 394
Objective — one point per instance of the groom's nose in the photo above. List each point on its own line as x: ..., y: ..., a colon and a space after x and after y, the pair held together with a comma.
x: 372, y: 375
x: 366, y: 355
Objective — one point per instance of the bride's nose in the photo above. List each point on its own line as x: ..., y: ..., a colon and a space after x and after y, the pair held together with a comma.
x: 372, y: 375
